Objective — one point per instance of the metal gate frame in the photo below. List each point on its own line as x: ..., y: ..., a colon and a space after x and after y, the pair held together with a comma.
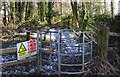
x: 58, y: 52
x: 40, y: 50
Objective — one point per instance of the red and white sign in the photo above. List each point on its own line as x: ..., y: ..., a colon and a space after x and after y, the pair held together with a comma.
x: 32, y: 47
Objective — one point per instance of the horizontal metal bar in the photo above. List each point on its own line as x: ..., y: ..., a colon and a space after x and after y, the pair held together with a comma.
x: 49, y: 42
x: 45, y: 61
x: 48, y: 69
x: 67, y: 38
x: 87, y: 53
x: 76, y: 45
x: 88, y: 42
x: 69, y: 73
x: 74, y: 64
x: 70, y: 45
x: 80, y: 54
x: 87, y: 63
x: 51, y: 63
x: 63, y: 54
x: 42, y: 32
x: 76, y: 32
x: 71, y: 64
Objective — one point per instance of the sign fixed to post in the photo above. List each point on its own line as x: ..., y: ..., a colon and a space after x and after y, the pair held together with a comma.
x: 26, y: 49
x: 22, y: 50
x: 32, y: 47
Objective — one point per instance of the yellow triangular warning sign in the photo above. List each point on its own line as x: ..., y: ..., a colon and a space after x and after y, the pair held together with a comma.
x: 22, y: 50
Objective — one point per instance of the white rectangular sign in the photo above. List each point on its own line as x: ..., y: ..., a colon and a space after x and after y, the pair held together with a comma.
x: 22, y: 50
x: 32, y: 47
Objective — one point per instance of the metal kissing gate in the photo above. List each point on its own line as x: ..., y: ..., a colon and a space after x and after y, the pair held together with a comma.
x: 64, y: 51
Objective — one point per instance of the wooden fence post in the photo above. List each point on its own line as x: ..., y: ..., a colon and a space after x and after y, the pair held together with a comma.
x: 27, y: 35
x: 103, y: 38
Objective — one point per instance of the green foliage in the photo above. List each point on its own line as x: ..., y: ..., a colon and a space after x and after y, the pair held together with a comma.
x: 49, y: 15
x: 41, y: 10
x: 17, y: 12
x: 115, y: 24
x: 29, y: 23
x: 80, y: 11
x: 66, y: 16
x: 66, y: 20
x: 0, y: 7
x: 103, y: 18
x: 20, y: 8
x: 116, y: 20
x: 29, y: 10
x: 12, y: 11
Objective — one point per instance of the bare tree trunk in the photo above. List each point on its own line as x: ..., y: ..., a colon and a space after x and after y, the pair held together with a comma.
x: 29, y: 10
x: 119, y: 7
x: 61, y: 7
x: 22, y: 8
x: 105, y: 8
x: 112, y: 9
x: 5, y: 17
x: 83, y: 14
x: 9, y: 14
x: 34, y: 10
x: 26, y: 13
x: 76, y: 21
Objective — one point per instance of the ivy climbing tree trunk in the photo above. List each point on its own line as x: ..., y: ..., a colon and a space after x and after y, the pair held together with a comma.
x: 29, y: 10
x: 5, y: 17
x: 41, y: 10
x: 98, y: 9
x: 12, y: 11
x: 18, y: 12
x: 91, y: 9
x: 49, y: 13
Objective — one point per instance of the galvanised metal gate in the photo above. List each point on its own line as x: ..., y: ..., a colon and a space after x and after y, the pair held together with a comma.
x: 47, y: 51
x: 64, y: 51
